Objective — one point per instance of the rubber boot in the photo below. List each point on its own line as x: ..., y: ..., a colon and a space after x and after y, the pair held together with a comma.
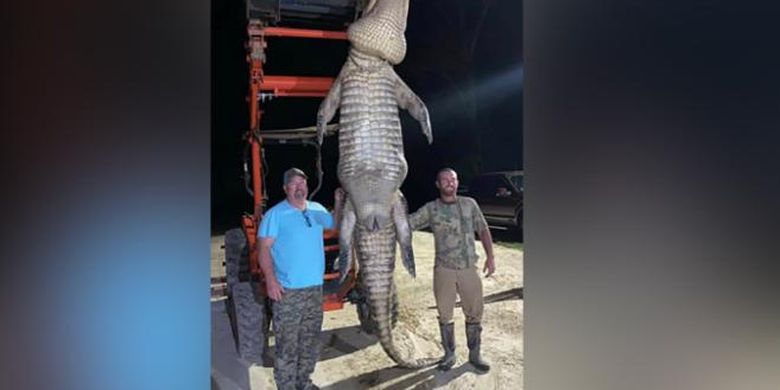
x: 474, y: 341
x: 448, y: 343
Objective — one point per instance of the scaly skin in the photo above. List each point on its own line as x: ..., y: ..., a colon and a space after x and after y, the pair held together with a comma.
x: 371, y: 165
x: 373, y: 250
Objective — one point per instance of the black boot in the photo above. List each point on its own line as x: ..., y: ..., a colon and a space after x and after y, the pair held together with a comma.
x: 448, y: 343
x: 474, y: 341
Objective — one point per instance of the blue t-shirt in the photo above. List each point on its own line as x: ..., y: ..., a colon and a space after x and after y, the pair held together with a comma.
x: 297, y: 253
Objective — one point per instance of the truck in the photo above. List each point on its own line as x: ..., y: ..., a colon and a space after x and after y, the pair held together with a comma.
x: 500, y: 197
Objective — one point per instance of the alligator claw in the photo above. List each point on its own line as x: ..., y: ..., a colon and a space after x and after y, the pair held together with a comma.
x: 343, y: 265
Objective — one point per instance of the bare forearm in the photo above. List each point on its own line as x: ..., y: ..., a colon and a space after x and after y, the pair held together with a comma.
x: 487, y: 242
x: 272, y: 287
x: 266, y: 264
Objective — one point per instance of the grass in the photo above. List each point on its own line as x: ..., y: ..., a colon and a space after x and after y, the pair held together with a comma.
x: 509, y: 245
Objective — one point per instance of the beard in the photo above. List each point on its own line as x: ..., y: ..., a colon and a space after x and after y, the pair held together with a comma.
x: 299, y: 194
x: 449, y: 191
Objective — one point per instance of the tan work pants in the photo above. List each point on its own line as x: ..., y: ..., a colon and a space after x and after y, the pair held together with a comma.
x: 448, y: 282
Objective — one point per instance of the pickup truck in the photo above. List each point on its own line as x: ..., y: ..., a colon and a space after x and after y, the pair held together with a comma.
x: 500, y: 197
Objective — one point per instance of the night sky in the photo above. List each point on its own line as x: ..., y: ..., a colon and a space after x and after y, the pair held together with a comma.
x: 469, y: 74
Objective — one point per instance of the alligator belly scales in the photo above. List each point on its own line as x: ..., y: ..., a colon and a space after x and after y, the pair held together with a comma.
x: 371, y: 168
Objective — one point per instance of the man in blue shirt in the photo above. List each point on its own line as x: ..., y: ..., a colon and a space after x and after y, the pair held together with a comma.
x: 293, y: 262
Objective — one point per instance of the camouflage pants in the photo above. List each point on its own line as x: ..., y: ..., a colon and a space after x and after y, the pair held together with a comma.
x: 297, y: 321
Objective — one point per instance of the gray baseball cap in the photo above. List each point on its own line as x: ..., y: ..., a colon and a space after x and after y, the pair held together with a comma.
x: 292, y: 172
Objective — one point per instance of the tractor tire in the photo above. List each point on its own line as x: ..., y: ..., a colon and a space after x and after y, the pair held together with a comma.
x: 249, y: 313
x: 367, y: 323
x: 251, y: 322
x: 236, y: 257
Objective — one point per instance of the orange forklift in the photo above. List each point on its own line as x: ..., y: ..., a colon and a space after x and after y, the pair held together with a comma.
x: 248, y: 307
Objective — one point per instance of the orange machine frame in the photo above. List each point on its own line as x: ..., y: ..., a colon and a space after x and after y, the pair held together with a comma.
x: 281, y: 86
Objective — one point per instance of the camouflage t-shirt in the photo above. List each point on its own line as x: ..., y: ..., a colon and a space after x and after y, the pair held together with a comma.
x: 454, y: 241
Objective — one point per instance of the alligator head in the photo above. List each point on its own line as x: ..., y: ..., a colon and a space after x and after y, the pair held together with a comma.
x: 380, y: 30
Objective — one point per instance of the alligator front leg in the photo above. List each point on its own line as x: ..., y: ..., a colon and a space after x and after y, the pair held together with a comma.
x: 404, y: 233
x: 409, y: 101
x: 328, y: 107
x: 346, y: 233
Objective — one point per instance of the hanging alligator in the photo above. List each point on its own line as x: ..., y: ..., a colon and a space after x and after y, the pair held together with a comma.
x: 371, y: 167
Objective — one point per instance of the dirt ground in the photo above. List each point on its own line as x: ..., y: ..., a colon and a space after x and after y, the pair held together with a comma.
x: 351, y: 359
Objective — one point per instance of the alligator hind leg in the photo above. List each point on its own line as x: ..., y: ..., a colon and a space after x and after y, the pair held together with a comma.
x: 403, y: 232
x: 344, y: 262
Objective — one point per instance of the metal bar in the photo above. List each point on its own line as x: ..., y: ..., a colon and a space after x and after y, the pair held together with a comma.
x: 332, y: 276
x: 304, y: 33
x: 300, y: 94
x: 330, y: 302
x: 257, y: 183
x: 250, y: 230
x: 308, y: 131
x: 255, y: 78
x: 296, y: 84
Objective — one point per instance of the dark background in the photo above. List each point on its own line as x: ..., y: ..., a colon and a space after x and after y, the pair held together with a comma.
x: 651, y: 224
x: 467, y: 67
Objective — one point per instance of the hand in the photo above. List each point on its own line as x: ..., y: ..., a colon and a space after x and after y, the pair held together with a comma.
x: 274, y: 289
x: 490, y: 267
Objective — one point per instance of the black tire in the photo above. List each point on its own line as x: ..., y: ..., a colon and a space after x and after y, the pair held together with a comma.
x: 251, y: 319
x: 367, y: 322
x: 236, y: 257
x: 249, y: 312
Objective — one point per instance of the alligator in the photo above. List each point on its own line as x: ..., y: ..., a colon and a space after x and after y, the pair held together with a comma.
x: 371, y: 167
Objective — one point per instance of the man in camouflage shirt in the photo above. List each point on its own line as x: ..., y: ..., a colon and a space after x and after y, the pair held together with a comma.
x: 293, y: 263
x: 454, y: 220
